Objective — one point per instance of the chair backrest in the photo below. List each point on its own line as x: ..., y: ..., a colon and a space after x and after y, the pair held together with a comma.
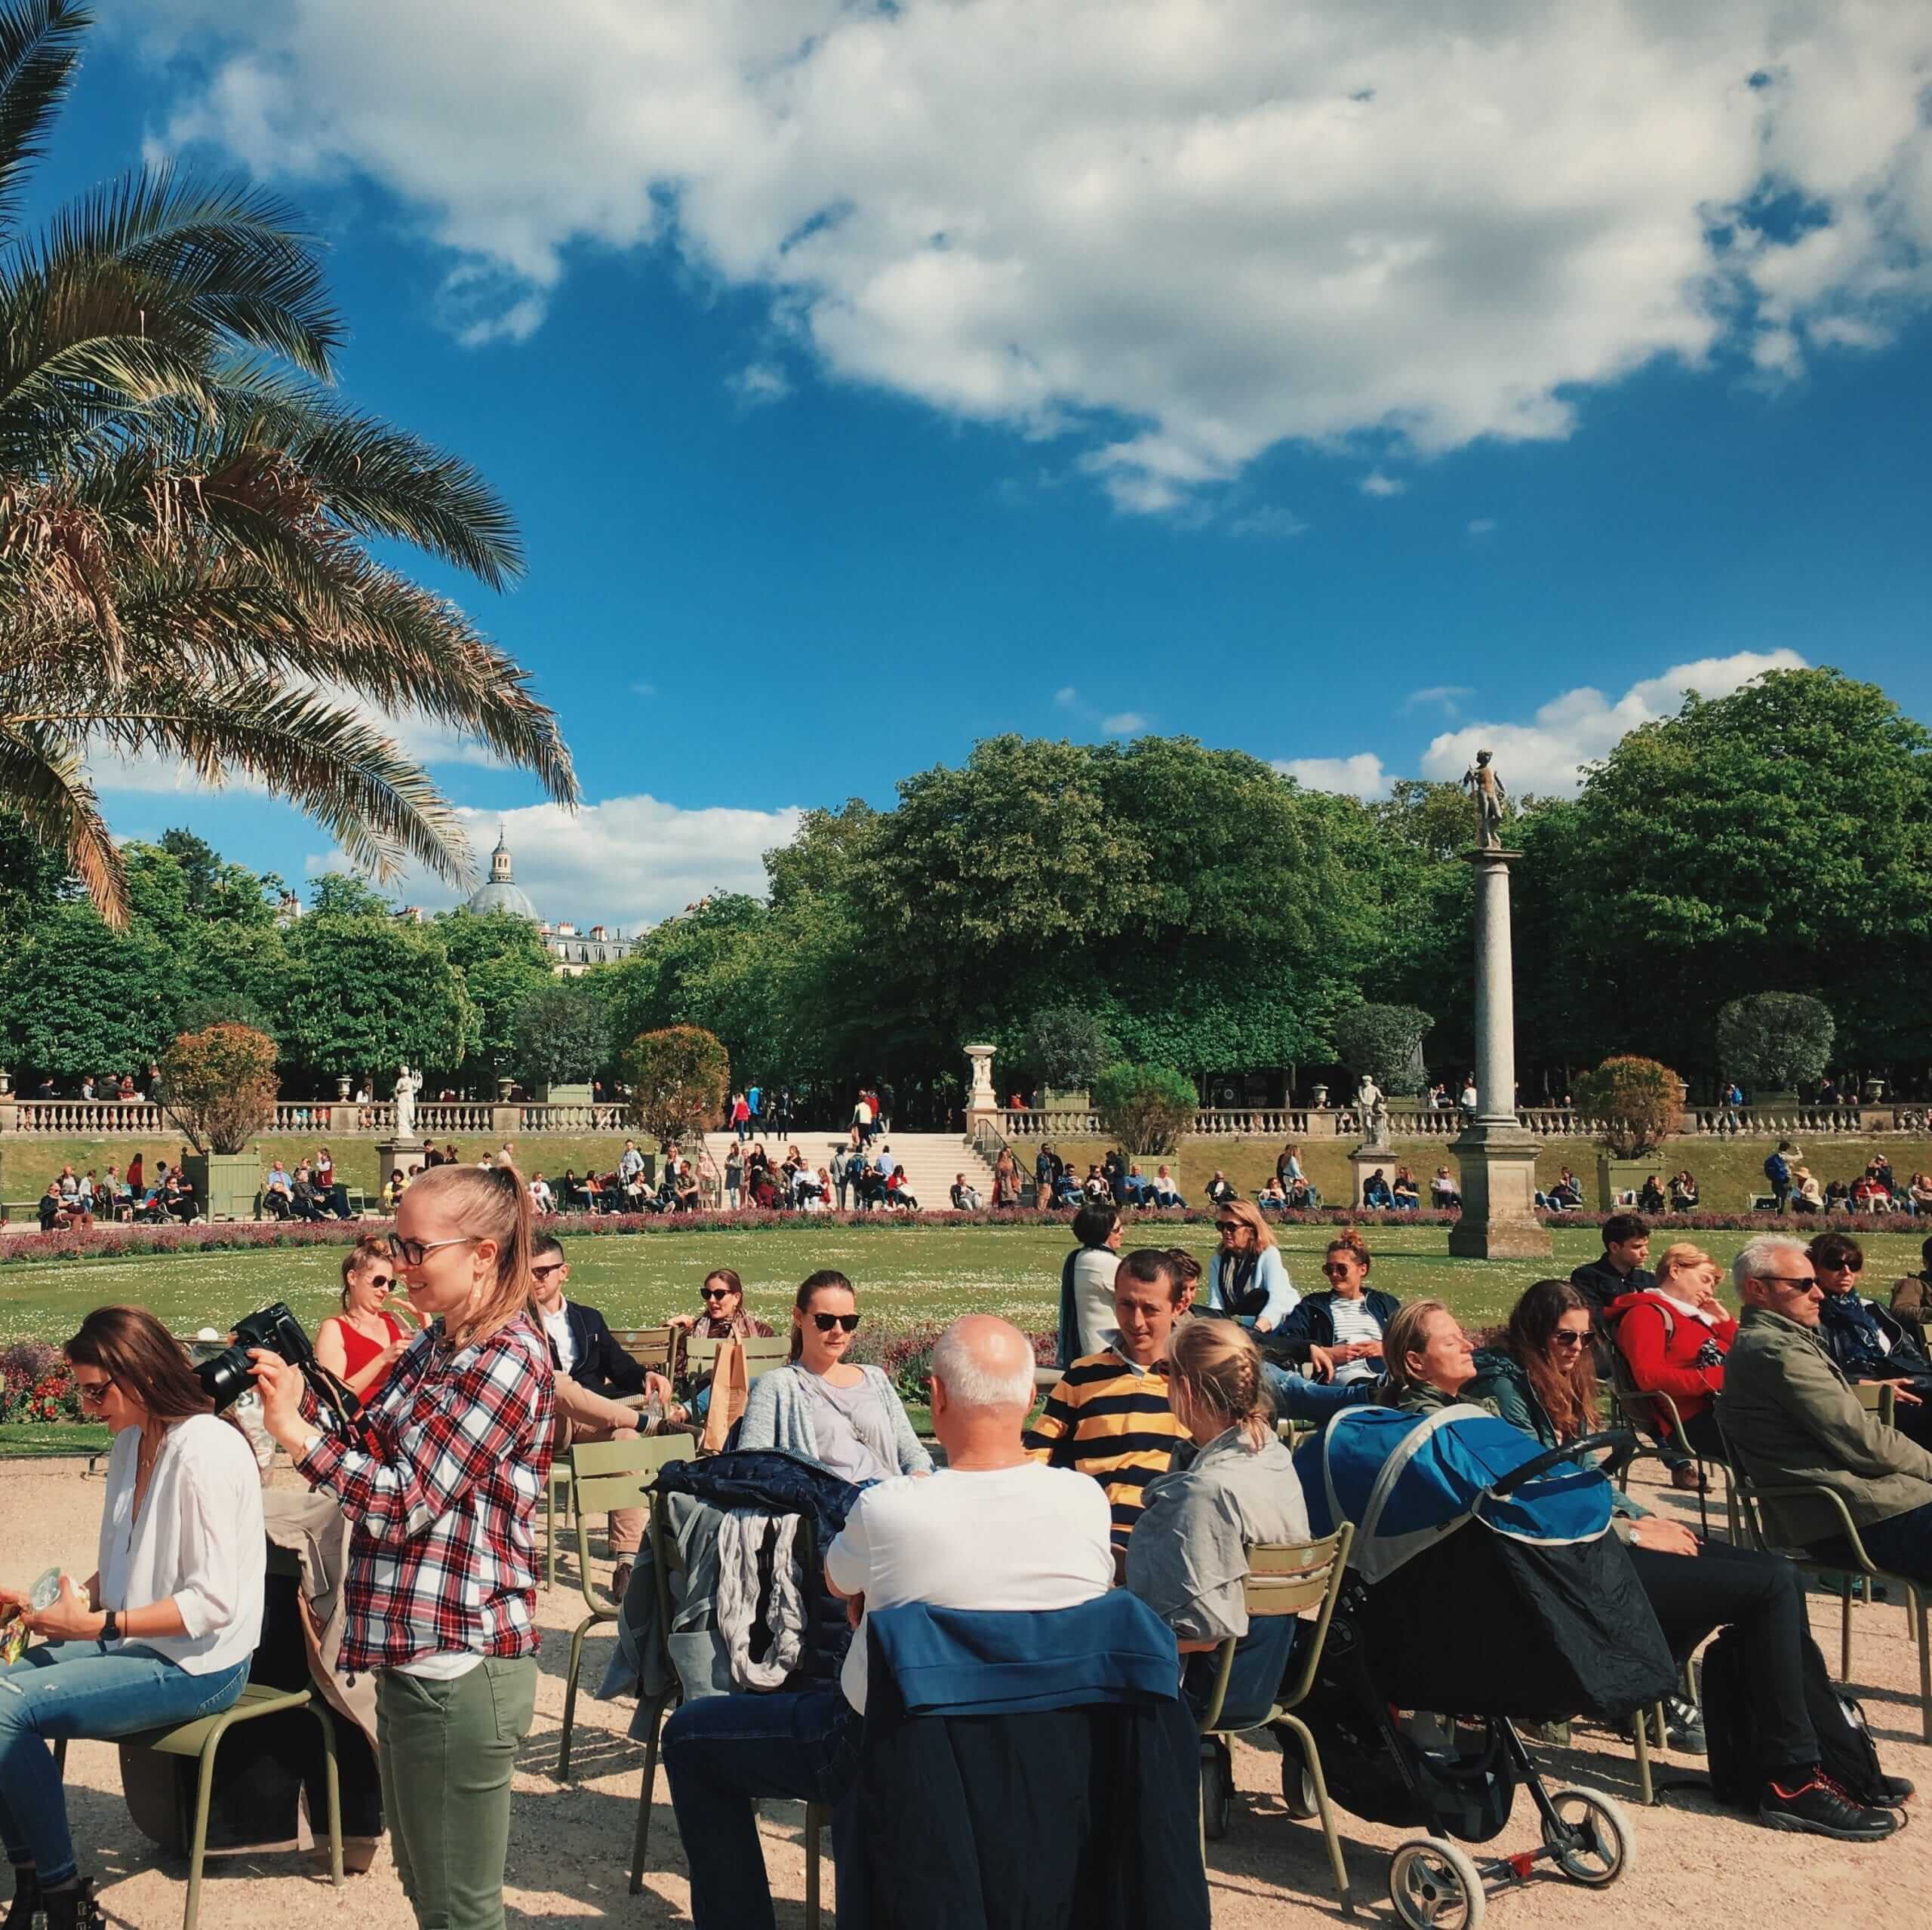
x: 1288, y: 1579
x: 649, y: 1346
x: 611, y: 1474
x: 763, y: 1352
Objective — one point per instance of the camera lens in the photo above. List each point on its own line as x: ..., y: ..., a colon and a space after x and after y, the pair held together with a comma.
x: 226, y: 1376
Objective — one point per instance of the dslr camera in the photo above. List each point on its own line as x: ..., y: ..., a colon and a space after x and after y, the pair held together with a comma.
x: 274, y: 1328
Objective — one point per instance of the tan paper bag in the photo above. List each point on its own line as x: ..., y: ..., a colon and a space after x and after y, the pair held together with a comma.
x: 730, y: 1386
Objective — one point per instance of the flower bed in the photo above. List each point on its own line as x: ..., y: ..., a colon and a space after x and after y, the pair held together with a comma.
x: 129, y: 1242
x: 36, y: 1385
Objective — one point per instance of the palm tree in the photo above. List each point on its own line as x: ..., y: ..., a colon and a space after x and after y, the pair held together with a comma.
x: 186, y: 510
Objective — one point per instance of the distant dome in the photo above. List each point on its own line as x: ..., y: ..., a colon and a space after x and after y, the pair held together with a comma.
x: 502, y: 893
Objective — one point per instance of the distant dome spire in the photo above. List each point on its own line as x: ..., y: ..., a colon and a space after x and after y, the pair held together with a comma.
x: 502, y: 893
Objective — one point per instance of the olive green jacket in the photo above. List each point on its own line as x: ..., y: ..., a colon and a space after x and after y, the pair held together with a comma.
x: 1791, y: 1417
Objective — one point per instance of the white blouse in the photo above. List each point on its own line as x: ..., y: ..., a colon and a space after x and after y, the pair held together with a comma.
x: 199, y: 1537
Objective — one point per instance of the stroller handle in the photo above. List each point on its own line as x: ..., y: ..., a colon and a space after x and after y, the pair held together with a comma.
x: 1621, y: 1442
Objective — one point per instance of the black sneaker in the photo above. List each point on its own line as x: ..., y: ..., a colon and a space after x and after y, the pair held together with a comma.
x: 1683, y: 1725
x: 26, y: 1899
x: 1821, y: 1808
x: 1897, y: 1790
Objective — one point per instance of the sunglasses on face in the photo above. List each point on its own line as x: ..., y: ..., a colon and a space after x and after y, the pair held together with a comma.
x: 1841, y: 1266
x: 93, y: 1393
x: 544, y: 1272
x: 1567, y: 1337
x: 714, y: 1293
x: 1338, y: 1269
x: 1224, y: 1228
x: 826, y: 1322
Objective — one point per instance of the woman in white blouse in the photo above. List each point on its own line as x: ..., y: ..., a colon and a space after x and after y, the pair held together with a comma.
x: 163, y: 1632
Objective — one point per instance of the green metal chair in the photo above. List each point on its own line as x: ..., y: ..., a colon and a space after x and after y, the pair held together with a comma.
x: 665, y: 1559
x: 1282, y: 1579
x: 201, y: 1738
x: 604, y: 1475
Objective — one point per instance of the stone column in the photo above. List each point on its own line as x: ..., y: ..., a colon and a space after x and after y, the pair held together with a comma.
x: 1497, y: 1157
x: 982, y: 1102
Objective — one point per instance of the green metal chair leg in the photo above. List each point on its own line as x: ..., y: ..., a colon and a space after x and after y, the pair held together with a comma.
x: 1844, y: 1630
x: 1645, y: 1790
x: 1312, y: 1756
x: 550, y: 1534
x: 1917, y: 1606
x: 331, y: 1788
x: 203, y: 1793
x: 641, y: 1840
x: 569, y: 1701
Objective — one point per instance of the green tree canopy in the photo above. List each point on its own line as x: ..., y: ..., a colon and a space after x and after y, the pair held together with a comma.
x: 562, y: 1033
x: 218, y: 1085
x: 366, y: 995
x: 80, y: 998
x: 1146, y: 1107
x: 1385, y: 1041
x: 1775, y: 1041
x: 679, y: 1078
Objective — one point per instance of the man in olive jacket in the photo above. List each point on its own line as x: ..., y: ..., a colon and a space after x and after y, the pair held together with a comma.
x: 1792, y: 1418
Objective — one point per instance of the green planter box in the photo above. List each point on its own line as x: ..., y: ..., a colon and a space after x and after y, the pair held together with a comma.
x: 224, y: 1183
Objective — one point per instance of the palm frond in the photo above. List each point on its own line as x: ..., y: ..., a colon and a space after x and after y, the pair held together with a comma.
x: 40, y: 42
x: 42, y: 778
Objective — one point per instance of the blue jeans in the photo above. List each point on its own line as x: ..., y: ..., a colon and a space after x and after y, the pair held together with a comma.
x: 722, y: 1752
x: 65, y: 1689
x: 1297, y: 1398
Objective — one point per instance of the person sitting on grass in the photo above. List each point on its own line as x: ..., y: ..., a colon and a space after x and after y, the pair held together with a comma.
x: 1247, y: 1279
x: 1539, y: 1377
x: 1109, y: 1416
x: 1086, y: 1282
x: 1376, y: 1195
x: 1188, y: 1557
x: 1407, y: 1194
x: 1443, y: 1195
x: 1349, y: 1319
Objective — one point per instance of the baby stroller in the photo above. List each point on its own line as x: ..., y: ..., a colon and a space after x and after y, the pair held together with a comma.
x: 1484, y: 1589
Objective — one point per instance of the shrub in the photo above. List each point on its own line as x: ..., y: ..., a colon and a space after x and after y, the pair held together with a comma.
x: 218, y: 1085
x: 1146, y: 1107
x: 679, y: 1078
x: 561, y: 1031
x: 1636, y: 1102
x: 1385, y: 1041
x: 1063, y: 1046
x: 1775, y: 1041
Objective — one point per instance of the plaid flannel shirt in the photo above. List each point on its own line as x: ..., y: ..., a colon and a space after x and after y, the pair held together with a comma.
x: 443, y: 1556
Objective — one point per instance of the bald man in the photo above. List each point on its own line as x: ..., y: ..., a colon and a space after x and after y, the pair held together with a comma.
x: 993, y: 1530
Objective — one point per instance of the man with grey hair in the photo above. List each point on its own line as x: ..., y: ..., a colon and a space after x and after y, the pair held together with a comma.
x: 1792, y: 1418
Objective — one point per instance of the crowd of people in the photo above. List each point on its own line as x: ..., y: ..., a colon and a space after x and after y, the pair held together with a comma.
x: 75, y: 1202
x: 1153, y: 1464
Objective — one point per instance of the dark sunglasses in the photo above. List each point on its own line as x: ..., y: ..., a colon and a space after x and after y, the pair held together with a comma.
x: 826, y: 1322
x: 1842, y: 1266
x: 714, y: 1292
x: 380, y: 1280
x: 93, y: 1393
x: 1230, y: 1226
x: 1563, y: 1337
x: 1334, y: 1267
x: 545, y: 1272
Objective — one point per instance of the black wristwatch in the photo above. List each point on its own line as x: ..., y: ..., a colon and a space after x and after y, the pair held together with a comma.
x: 110, y: 1629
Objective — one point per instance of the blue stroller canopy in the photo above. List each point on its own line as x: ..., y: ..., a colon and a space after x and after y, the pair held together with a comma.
x: 1407, y: 1481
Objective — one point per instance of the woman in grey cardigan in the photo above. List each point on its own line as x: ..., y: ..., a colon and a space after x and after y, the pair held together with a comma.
x: 823, y: 1407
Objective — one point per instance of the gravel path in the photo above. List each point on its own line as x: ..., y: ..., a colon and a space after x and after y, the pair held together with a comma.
x: 569, y: 1846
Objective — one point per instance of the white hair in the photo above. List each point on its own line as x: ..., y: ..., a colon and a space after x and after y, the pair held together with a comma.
x: 1754, y: 1258
x: 969, y: 1383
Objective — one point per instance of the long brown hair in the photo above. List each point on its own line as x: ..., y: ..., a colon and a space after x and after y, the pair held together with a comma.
x: 825, y: 1280
x: 1219, y: 1365
x: 135, y: 1351
x: 1569, y: 1399
x: 489, y: 1203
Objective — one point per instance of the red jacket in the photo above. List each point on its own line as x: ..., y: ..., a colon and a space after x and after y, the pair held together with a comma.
x: 1660, y: 1344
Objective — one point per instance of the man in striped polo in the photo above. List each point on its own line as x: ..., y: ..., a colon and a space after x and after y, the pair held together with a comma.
x: 1109, y: 1415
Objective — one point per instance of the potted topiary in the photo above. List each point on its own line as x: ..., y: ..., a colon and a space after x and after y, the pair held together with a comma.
x: 1635, y: 1105
x: 218, y: 1085
x: 1065, y: 1048
x: 1147, y: 1108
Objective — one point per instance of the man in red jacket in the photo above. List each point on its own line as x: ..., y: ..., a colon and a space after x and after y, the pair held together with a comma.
x: 1673, y: 1337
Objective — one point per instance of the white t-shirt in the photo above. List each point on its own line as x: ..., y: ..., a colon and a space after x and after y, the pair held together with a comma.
x: 1354, y: 1322
x: 557, y: 1326
x: 1026, y: 1538
x: 198, y: 1538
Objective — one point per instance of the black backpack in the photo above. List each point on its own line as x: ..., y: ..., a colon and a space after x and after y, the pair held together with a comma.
x: 1738, y: 1772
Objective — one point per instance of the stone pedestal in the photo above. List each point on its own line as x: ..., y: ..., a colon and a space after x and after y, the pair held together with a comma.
x: 1365, y: 1160
x: 392, y: 1154
x: 982, y: 1102
x: 1497, y: 1158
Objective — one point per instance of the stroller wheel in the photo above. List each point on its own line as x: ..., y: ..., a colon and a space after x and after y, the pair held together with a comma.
x: 1595, y: 1846
x: 1297, y: 1785
x: 1218, y: 1788
x: 1434, y: 1885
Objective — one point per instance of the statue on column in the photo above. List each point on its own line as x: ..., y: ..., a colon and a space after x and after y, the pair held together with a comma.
x: 1483, y: 784
x: 407, y: 1085
x: 1372, y: 1109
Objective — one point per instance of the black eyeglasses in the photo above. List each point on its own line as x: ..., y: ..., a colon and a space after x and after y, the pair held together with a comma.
x: 1230, y: 1226
x: 412, y: 1252
x: 380, y: 1280
x: 1842, y: 1266
x: 93, y: 1393
x: 714, y: 1293
x: 826, y: 1322
x: 545, y: 1272
x: 1803, y: 1281
x: 1563, y: 1337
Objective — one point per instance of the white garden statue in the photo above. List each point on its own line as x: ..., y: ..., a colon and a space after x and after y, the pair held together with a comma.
x: 407, y: 1085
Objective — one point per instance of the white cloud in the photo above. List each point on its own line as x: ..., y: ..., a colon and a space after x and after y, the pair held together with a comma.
x: 1582, y: 725
x: 1445, y: 697
x: 759, y: 383
x: 1362, y: 775
x: 1480, y: 525
x: 1067, y: 696
x: 1376, y: 484
x: 644, y: 689
x: 1274, y: 522
x: 626, y: 861
x: 1123, y: 724
x: 1182, y: 231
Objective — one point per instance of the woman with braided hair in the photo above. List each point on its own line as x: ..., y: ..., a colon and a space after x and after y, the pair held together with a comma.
x: 1187, y: 1559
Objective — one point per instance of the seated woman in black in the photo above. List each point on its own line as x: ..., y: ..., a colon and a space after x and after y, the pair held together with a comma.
x: 1540, y: 1375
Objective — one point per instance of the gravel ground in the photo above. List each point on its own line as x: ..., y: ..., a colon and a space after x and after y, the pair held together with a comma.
x: 569, y: 1845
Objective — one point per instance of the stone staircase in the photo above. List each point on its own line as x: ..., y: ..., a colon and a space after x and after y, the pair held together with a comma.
x: 930, y: 1160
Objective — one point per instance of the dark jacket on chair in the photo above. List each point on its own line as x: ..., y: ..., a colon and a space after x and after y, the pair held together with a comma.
x: 1313, y: 1318
x: 1046, y: 1773
x: 601, y: 1365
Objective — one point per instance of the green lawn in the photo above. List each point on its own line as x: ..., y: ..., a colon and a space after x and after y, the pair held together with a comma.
x: 905, y: 1276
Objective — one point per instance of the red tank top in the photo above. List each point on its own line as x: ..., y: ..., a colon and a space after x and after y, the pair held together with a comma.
x: 358, y: 1350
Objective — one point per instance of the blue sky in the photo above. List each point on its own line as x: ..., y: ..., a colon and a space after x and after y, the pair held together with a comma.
x: 1249, y: 395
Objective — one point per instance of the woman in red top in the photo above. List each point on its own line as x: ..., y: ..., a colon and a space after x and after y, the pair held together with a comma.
x: 1673, y: 1338
x: 361, y: 1345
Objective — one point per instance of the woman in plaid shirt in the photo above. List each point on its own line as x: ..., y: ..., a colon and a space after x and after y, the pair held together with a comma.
x: 442, y: 1479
